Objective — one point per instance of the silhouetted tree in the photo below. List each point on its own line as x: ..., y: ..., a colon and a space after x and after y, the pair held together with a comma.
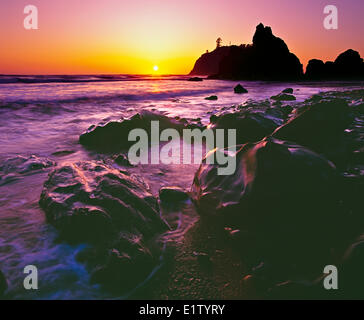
x: 218, y: 42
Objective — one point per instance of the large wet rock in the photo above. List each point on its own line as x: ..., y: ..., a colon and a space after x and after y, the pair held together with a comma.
x: 282, y: 196
x: 319, y: 126
x: 113, y: 135
x: 114, y: 212
x: 250, y: 126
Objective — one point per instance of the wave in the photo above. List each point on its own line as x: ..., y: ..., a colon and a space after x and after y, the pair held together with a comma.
x: 172, y: 96
x: 24, y: 79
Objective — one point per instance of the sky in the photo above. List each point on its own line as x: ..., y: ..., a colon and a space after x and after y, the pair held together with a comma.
x: 133, y: 36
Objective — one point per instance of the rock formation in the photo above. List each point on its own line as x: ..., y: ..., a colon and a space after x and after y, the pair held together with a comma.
x: 114, y: 212
x: 348, y: 65
x: 268, y: 58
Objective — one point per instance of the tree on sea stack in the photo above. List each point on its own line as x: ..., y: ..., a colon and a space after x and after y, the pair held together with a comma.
x: 218, y: 42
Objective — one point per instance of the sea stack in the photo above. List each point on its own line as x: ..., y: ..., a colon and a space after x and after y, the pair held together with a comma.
x: 267, y: 58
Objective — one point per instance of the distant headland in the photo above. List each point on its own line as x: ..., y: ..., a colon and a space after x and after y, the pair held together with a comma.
x: 268, y: 58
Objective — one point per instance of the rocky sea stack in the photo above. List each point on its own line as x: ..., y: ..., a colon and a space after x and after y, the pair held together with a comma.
x: 268, y: 58
x: 348, y: 65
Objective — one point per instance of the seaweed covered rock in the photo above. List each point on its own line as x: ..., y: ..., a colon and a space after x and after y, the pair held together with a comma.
x: 284, y: 195
x: 113, y: 135
x: 114, y: 212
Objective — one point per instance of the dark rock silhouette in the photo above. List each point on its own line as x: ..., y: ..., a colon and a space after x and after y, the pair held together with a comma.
x: 209, y: 62
x: 195, y: 79
x: 348, y: 65
x: 240, y: 89
x: 212, y: 98
x: 114, y: 212
x: 268, y: 58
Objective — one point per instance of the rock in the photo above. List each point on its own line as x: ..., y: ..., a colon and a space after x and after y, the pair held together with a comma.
x: 114, y: 212
x: 172, y: 194
x: 288, y: 90
x: 208, y: 63
x: 114, y: 134
x: 3, y: 284
x: 268, y: 58
x: 318, y: 125
x: 283, y: 97
x: 282, y: 192
x: 211, y: 98
x: 250, y: 126
x: 348, y: 65
x: 240, y: 89
x: 315, y: 69
x: 195, y: 79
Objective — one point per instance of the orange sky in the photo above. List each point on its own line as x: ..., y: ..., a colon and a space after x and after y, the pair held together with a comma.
x: 131, y: 36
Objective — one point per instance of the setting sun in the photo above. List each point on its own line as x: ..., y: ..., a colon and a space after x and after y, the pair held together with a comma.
x: 155, y: 68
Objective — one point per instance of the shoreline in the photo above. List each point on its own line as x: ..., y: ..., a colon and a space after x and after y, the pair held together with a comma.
x: 194, y: 264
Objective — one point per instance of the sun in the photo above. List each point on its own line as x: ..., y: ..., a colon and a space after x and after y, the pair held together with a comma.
x: 155, y: 68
